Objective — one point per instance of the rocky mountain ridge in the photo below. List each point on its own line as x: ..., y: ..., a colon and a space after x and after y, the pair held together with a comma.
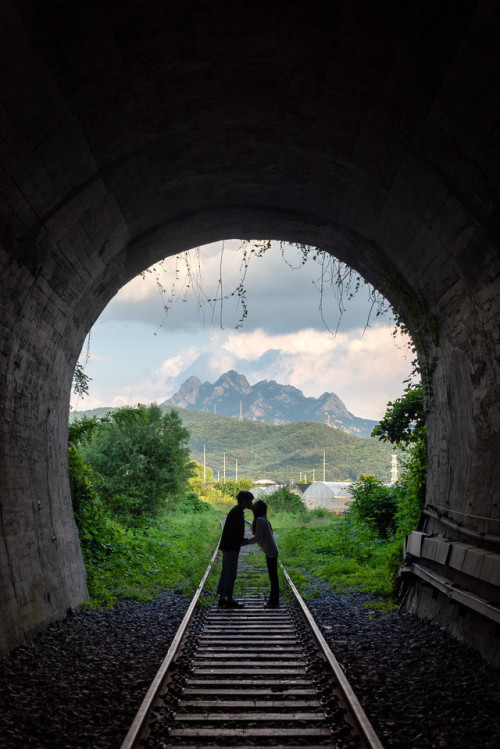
x: 267, y: 401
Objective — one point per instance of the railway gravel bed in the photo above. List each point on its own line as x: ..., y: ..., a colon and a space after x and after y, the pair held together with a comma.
x: 79, y: 683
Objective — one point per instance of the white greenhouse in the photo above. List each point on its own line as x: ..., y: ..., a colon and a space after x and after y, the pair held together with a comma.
x: 329, y: 495
x: 259, y: 492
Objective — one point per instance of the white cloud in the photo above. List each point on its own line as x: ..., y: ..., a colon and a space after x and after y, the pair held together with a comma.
x: 173, y: 367
x: 157, y: 386
x: 365, y: 371
x: 281, y: 295
x: 137, y: 290
x: 283, y: 338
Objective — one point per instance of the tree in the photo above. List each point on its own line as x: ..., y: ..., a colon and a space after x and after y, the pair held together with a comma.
x: 142, y: 457
x: 96, y: 533
x: 230, y: 487
x: 404, y: 420
x: 283, y: 500
x: 374, y: 503
x: 404, y: 426
x: 196, y: 480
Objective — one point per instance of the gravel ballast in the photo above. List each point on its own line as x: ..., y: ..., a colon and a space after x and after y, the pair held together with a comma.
x: 419, y: 686
x: 81, y: 681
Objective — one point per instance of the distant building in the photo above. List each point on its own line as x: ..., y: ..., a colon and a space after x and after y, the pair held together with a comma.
x: 264, y: 488
x: 333, y: 496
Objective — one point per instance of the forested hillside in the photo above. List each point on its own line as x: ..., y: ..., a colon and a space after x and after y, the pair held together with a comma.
x: 283, y: 452
x: 280, y: 453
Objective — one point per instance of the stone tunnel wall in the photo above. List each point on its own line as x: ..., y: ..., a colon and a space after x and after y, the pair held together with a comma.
x: 133, y: 131
x: 453, y: 560
x: 41, y: 568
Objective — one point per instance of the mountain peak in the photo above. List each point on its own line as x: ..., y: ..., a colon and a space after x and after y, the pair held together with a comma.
x: 268, y: 402
x: 233, y: 379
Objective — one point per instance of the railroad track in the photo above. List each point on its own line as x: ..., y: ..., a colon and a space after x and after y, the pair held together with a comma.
x: 250, y: 677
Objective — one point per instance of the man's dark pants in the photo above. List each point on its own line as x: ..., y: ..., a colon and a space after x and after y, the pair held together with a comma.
x: 228, y: 573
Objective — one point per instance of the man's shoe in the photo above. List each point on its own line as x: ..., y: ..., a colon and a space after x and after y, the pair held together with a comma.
x: 222, y: 603
x: 232, y: 604
x: 271, y: 605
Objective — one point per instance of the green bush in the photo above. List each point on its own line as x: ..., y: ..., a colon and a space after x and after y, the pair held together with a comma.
x: 411, y: 488
x: 394, y: 560
x: 320, y: 513
x: 230, y: 487
x: 141, y: 457
x: 96, y: 533
x: 196, y: 483
x: 345, y: 555
x: 283, y: 500
x: 170, y: 555
x: 404, y: 419
x: 404, y: 426
x: 217, y: 499
x: 191, y: 504
x: 375, y: 504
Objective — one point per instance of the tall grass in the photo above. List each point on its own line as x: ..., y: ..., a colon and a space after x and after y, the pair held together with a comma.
x: 172, y: 554
x: 338, y: 551
x: 317, y: 548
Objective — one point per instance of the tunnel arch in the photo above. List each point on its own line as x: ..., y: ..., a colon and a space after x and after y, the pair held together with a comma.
x: 133, y: 131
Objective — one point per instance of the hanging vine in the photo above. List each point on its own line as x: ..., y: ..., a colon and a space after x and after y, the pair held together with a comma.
x: 81, y: 381
x: 333, y: 274
x: 186, y: 278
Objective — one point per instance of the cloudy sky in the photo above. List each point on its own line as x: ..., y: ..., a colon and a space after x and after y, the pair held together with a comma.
x: 292, y: 332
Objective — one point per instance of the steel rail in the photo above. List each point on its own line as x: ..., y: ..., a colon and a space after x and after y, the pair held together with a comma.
x: 342, y: 689
x: 362, y: 724
x: 139, y: 723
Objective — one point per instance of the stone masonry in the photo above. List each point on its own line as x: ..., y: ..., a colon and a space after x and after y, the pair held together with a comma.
x: 132, y: 131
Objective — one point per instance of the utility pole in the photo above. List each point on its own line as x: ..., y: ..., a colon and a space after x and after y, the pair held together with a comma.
x: 394, y: 468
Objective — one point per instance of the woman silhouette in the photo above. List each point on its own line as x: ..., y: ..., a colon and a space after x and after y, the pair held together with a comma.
x: 263, y: 536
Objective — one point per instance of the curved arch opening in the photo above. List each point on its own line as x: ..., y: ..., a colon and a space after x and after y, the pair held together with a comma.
x: 282, y: 335
x: 272, y: 311
x: 119, y: 263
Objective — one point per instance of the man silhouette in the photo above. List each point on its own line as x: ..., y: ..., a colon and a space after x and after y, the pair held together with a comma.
x: 232, y: 539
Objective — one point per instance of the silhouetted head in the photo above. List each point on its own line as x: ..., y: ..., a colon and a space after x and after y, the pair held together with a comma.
x: 245, y: 499
x: 260, y: 509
